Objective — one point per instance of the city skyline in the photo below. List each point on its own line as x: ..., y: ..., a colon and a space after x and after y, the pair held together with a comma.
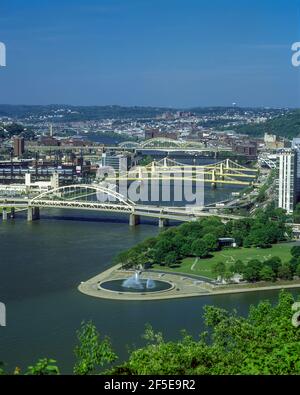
x: 150, y: 53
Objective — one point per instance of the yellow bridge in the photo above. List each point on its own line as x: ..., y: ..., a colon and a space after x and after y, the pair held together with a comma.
x: 224, y: 172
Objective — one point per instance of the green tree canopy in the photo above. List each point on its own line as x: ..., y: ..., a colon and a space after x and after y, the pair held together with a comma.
x: 219, y: 269
x: 267, y: 274
x: 200, y: 248
x: 92, y: 352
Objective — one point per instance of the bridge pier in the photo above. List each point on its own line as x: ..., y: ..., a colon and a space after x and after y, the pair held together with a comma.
x: 12, y: 213
x: 33, y: 213
x: 162, y: 222
x: 4, y: 214
x: 134, y: 220
x: 213, y: 179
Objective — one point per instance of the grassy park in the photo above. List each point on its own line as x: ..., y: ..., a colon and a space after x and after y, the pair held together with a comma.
x: 203, y: 267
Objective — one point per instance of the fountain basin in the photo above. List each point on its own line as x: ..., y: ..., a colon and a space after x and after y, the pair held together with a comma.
x: 118, y: 286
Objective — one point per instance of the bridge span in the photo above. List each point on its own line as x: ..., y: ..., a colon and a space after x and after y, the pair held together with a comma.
x: 95, y: 197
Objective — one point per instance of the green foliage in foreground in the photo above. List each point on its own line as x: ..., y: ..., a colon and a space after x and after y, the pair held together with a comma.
x: 265, y: 342
x: 91, y: 352
x: 44, y: 367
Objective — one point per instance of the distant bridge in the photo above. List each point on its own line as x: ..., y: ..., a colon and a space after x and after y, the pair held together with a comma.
x: 224, y: 172
x: 157, y: 144
x: 170, y: 145
x: 101, y: 199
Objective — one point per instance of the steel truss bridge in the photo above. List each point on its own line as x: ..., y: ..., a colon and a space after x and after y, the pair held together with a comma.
x: 170, y: 145
x: 223, y: 172
x: 157, y: 144
x: 96, y: 197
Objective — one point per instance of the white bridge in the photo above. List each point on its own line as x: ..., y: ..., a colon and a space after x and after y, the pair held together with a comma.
x: 95, y: 197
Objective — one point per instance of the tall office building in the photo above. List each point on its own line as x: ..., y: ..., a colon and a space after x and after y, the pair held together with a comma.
x: 118, y: 162
x: 287, y: 179
x: 296, y: 147
x: 19, y: 146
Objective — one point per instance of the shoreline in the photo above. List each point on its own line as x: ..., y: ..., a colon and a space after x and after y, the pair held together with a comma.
x: 183, y: 286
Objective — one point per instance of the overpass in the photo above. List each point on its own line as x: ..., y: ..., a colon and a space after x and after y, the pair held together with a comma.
x: 101, y: 199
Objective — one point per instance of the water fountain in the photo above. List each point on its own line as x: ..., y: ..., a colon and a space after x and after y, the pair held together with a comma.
x: 150, y: 284
x: 135, y: 284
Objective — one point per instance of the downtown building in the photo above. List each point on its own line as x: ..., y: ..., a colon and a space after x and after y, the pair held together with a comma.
x: 118, y: 162
x: 19, y: 146
x: 288, y: 179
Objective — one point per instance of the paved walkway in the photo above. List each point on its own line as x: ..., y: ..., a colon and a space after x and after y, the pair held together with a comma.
x: 183, y: 286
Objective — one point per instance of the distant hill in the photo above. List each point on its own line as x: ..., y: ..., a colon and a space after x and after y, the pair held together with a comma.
x: 64, y: 112
x: 287, y: 125
x: 284, y: 122
x: 79, y: 113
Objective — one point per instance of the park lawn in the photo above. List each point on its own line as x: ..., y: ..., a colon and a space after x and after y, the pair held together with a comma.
x: 203, y: 267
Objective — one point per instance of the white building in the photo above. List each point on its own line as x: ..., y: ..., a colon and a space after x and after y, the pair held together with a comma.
x: 287, y: 181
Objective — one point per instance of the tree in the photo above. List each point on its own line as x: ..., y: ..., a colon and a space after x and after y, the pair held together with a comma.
x: 14, y: 129
x: 296, y: 214
x: 44, y: 367
x: 133, y: 257
x: 252, y: 270
x: 267, y: 274
x: 199, y: 248
x: 171, y: 258
x: 298, y: 270
x: 264, y: 342
x: 237, y: 267
x: 262, y: 196
x: 239, y: 229
x: 259, y: 236
x: 211, y: 241
x: 219, y: 269
x: 274, y: 262
x: 163, y: 246
x: 92, y: 351
x: 193, y: 230
x: 295, y: 251
x: 228, y: 275
x: 185, y: 247
x: 285, y: 271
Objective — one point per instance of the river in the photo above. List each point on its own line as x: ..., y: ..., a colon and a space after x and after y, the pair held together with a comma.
x: 42, y: 264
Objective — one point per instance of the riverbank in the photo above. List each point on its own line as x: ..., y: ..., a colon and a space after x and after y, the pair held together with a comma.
x: 182, y: 286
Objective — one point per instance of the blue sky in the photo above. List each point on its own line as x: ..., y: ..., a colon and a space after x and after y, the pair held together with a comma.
x: 150, y: 52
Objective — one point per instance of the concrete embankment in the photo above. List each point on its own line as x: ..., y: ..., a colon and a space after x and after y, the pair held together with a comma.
x: 181, y: 286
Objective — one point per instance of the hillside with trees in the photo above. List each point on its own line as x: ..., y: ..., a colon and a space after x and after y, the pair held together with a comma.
x: 286, y: 125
